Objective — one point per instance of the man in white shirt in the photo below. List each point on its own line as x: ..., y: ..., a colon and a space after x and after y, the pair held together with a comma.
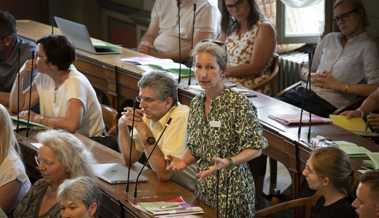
x: 158, y: 100
x: 161, y: 38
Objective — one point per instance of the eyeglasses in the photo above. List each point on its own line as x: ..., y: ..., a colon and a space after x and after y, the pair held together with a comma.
x: 145, y: 99
x: 237, y: 4
x: 40, y: 162
x: 344, y: 15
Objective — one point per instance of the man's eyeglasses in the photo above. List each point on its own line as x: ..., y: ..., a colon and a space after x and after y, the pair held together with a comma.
x: 344, y: 15
x: 145, y: 99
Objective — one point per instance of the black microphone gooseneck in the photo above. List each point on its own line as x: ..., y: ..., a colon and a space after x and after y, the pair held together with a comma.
x: 193, y: 33
x: 131, y: 143
x: 30, y: 96
x: 309, y: 87
x: 18, y: 87
x: 180, y: 47
x: 148, y: 158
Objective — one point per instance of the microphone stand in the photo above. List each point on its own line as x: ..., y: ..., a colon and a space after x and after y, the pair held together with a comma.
x: 30, y: 96
x: 309, y: 87
x: 148, y: 158
x: 192, y: 37
x: 131, y: 147
x: 180, y: 49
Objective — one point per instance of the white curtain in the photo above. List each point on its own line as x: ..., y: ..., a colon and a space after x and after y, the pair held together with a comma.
x: 300, y: 3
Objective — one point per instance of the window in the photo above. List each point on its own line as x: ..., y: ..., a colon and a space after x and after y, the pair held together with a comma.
x: 300, y: 25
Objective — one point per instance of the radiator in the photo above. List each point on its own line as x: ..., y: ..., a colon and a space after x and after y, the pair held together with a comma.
x: 291, y: 65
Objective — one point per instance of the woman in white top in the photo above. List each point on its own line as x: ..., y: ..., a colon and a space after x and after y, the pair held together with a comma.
x: 14, y: 183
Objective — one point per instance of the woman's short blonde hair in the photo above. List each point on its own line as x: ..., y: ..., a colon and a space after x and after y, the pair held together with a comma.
x: 214, y: 48
x: 7, y: 136
x: 70, y: 152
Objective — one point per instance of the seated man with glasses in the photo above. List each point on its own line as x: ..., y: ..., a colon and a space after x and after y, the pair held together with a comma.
x: 158, y: 99
x: 14, y: 51
x: 345, y: 64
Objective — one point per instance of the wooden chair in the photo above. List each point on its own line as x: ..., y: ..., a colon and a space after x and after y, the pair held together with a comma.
x: 110, y: 119
x: 272, y: 79
x: 305, y: 203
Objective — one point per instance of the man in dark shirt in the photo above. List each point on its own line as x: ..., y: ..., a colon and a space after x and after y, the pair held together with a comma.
x: 14, y: 51
x: 367, y: 202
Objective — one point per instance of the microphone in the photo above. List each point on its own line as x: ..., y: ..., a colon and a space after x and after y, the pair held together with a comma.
x: 147, y: 160
x: 307, y: 88
x: 18, y: 87
x: 131, y: 147
x: 30, y: 96
x: 180, y: 49
x: 193, y: 33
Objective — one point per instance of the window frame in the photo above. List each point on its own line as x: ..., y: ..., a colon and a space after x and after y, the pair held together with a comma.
x: 280, y: 27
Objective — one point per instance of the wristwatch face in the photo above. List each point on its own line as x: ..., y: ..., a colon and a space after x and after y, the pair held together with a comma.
x: 150, y: 140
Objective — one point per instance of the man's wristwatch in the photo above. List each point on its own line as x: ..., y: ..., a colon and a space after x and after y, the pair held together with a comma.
x: 150, y: 140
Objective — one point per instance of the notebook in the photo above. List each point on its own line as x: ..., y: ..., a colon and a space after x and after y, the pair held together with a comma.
x: 115, y: 173
x: 78, y: 34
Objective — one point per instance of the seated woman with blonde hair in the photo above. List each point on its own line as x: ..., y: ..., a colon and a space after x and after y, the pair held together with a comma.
x: 62, y: 156
x: 79, y: 197
x: 328, y: 171
x: 14, y: 183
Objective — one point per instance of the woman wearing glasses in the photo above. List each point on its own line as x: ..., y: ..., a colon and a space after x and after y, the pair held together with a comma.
x: 223, y: 134
x: 62, y: 156
x: 250, y: 41
x: 14, y: 183
x: 345, y: 64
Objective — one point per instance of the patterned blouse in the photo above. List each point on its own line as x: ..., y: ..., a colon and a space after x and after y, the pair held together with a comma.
x: 240, y: 49
x: 30, y: 205
x: 232, y: 126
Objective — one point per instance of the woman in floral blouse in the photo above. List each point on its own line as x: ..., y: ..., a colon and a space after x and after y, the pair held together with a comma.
x: 223, y: 135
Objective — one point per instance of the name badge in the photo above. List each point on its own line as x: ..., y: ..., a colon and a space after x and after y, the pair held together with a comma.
x: 215, y: 124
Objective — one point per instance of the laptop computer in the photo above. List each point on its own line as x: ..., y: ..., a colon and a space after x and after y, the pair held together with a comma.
x: 78, y: 34
x: 115, y: 173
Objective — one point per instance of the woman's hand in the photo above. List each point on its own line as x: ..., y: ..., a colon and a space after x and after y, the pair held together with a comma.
x: 219, y: 163
x: 352, y: 113
x: 373, y: 121
x: 176, y: 164
x: 34, y: 117
x: 325, y: 80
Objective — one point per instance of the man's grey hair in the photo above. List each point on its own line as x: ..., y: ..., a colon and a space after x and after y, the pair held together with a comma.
x: 70, y: 152
x: 162, y: 83
x: 82, y: 189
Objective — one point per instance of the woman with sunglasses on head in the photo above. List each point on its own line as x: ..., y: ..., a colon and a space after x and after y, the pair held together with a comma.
x: 223, y: 135
x: 345, y: 64
x: 328, y: 171
x: 14, y: 183
x: 250, y: 41
x: 62, y: 156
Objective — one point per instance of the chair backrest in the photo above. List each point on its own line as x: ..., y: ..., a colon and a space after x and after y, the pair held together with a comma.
x: 305, y: 203
x: 110, y: 119
x: 271, y: 79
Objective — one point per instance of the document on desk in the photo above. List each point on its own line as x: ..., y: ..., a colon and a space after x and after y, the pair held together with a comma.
x: 373, y: 163
x: 24, y: 123
x: 294, y: 119
x: 355, y: 125
x: 352, y: 149
x: 115, y: 173
x: 160, y: 64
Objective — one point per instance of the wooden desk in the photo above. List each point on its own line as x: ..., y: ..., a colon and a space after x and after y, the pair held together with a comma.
x: 116, y: 203
x: 285, y: 144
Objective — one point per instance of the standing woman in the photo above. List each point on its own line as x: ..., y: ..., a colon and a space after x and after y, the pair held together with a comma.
x: 14, y: 183
x: 250, y: 41
x: 223, y: 134
x: 329, y: 172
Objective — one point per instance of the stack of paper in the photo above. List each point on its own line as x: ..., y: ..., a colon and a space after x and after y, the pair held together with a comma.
x: 352, y: 149
x: 160, y: 64
x: 173, y: 208
x: 373, y: 163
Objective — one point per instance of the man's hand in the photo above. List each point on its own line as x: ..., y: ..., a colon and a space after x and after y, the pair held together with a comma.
x: 373, y: 121
x: 176, y: 164
x: 145, y: 47
x: 127, y: 117
x: 352, y: 113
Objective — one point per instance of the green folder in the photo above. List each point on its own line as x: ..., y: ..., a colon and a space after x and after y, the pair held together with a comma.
x: 24, y: 123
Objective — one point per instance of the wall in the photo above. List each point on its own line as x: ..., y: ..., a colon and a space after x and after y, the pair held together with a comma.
x: 372, y: 12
